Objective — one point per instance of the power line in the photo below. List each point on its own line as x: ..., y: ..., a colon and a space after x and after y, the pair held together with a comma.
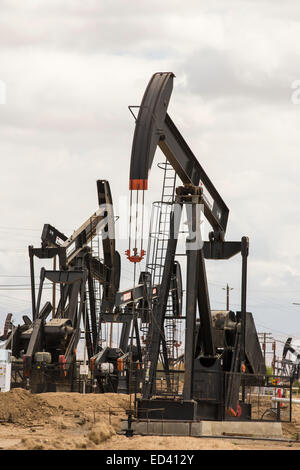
x: 15, y: 298
x: 21, y: 285
x: 28, y: 228
x: 277, y: 331
x: 13, y: 275
x: 20, y: 228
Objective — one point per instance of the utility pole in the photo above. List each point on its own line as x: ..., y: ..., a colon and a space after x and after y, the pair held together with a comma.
x: 227, y: 288
x: 264, y: 347
x: 274, y: 355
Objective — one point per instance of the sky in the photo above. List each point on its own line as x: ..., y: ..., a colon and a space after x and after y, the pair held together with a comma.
x: 68, y: 72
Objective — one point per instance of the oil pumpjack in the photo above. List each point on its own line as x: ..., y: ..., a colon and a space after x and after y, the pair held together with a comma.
x: 44, y: 350
x: 222, y: 351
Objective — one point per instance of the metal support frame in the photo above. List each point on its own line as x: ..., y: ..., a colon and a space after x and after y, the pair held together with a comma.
x: 160, y: 307
x: 154, y: 128
x: 75, y: 276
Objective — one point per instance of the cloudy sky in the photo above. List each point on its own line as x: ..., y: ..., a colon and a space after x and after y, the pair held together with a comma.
x: 69, y: 70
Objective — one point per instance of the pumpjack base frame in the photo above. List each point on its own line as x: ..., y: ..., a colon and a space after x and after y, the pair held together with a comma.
x: 192, y: 410
x: 205, y: 428
x: 45, y: 378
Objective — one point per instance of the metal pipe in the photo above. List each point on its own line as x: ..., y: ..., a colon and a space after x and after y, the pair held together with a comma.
x: 54, y: 290
x: 287, y: 400
x: 32, y: 282
x: 244, y: 252
x: 84, y: 347
x: 249, y: 438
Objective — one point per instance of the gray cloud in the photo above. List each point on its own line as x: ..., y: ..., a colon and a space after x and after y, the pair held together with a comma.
x: 71, y: 69
x: 218, y: 75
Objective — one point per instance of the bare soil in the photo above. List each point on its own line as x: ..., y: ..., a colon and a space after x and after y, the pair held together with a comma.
x: 67, y: 421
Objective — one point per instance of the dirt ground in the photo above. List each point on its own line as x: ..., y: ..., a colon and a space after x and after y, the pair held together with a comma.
x: 67, y: 421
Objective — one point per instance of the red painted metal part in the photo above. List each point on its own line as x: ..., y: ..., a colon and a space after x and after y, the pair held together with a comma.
x: 135, y: 258
x: 138, y: 184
